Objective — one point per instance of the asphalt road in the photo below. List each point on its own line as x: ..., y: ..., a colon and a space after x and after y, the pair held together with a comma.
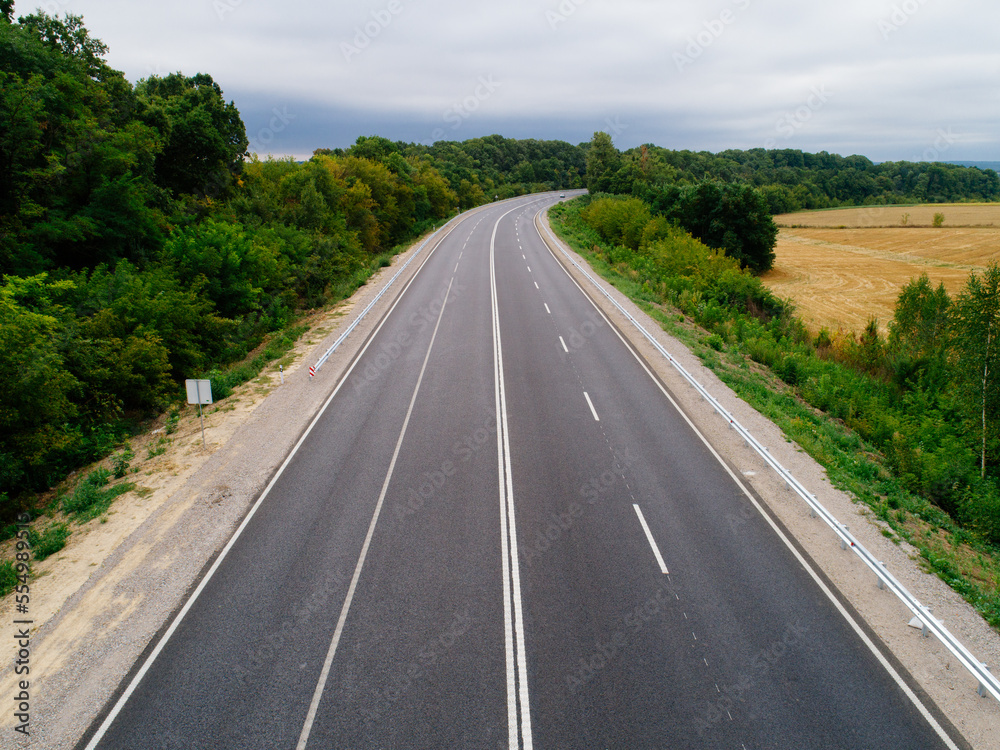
x: 501, y: 533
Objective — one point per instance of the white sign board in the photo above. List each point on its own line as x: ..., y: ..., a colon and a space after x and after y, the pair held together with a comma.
x: 199, y: 391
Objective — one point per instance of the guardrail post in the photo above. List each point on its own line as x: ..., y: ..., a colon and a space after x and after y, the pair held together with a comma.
x: 925, y: 631
x: 982, y: 687
x: 843, y: 542
x: 881, y: 581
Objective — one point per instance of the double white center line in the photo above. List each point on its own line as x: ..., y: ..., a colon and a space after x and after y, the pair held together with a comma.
x: 518, y: 708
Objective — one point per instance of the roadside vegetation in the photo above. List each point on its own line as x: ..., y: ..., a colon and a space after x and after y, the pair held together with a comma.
x: 141, y: 244
x: 906, y: 423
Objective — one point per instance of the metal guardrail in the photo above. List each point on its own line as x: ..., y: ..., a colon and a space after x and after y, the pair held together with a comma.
x: 322, y: 360
x: 988, y: 683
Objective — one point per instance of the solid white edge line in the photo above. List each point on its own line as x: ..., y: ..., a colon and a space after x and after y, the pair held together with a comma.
x: 591, y: 405
x: 652, y: 542
x: 924, y: 711
x: 348, y: 600
x: 175, y: 623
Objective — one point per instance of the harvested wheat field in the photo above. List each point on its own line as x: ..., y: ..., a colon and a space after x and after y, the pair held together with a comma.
x: 845, y: 266
x: 955, y: 215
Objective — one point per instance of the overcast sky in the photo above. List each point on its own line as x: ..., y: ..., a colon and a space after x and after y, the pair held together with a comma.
x: 890, y: 79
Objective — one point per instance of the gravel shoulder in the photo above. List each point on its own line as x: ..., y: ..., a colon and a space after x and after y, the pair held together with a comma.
x: 947, y: 683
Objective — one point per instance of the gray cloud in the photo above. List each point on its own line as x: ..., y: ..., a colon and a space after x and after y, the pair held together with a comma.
x: 893, y: 74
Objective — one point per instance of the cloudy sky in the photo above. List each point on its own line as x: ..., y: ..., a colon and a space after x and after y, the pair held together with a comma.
x: 890, y: 79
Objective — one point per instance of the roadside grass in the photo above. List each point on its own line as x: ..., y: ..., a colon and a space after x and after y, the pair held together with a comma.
x: 962, y: 559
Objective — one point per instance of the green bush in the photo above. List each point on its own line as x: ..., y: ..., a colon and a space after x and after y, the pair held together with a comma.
x: 979, y: 508
x: 763, y: 350
x: 120, y: 463
x: 8, y: 577
x: 48, y: 542
x: 89, y: 500
x: 789, y: 369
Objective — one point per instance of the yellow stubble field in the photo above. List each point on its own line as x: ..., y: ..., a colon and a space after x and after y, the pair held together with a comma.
x: 842, y: 267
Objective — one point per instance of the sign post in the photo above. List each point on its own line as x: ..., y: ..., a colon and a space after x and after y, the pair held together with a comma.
x: 199, y: 392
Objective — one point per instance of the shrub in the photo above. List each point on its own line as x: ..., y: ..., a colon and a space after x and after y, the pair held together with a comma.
x: 789, y: 369
x: 89, y: 500
x: 979, y: 507
x: 48, y: 542
x: 8, y: 577
x: 120, y: 463
x: 763, y: 350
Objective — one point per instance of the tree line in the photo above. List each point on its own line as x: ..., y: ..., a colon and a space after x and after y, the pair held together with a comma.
x: 792, y: 180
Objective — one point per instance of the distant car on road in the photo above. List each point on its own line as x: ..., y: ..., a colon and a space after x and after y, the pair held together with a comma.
x: 562, y: 195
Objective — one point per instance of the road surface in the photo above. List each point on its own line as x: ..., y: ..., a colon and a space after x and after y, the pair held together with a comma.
x: 501, y: 532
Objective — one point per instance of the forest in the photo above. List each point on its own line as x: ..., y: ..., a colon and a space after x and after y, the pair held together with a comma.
x: 141, y: 244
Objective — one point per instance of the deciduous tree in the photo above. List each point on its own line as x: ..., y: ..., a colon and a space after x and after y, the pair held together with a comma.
x: 976, y: 340
x: 603, y: 161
